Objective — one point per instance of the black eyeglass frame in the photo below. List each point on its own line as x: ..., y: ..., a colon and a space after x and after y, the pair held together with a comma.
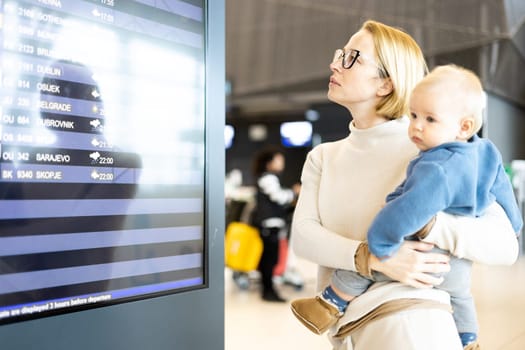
x: 342, y: 54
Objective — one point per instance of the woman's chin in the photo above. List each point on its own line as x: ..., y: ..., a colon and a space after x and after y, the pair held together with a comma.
x: 331, y: 95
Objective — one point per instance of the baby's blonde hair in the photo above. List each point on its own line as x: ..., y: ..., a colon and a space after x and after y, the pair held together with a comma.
x: 403, y: 62
x: 467, y: 87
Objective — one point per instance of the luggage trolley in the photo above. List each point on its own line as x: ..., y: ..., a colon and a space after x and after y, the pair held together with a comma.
x: 243, y: 248
x: 243, y: 245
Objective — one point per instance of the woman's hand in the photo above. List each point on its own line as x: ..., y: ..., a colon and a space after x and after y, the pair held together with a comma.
x: 413, y: 265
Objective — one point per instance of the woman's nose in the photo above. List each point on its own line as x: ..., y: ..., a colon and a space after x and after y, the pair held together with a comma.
x: 335, y: 66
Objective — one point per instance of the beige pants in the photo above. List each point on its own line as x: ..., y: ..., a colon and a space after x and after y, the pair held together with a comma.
x: 418, y: 329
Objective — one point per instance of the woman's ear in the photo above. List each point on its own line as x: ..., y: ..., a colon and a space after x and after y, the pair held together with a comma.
x: 385, y: 88
x: 466, y: 128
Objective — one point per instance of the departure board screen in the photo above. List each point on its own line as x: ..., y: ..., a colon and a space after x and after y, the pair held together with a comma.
x: 102, y: 153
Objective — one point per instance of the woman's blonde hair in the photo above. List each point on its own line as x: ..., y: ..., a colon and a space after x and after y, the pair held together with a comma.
x: 403, y: 63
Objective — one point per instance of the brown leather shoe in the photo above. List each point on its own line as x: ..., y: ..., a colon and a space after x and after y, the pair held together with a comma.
x: 316, y: 314
x: 473, y: 346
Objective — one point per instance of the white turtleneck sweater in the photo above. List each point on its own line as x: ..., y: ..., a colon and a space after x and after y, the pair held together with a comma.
x: 344, y: 185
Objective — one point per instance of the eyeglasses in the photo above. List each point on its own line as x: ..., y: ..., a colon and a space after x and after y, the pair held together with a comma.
x: 350, y: 57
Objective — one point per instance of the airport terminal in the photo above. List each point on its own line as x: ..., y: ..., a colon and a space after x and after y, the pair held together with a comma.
x: 178, y: 174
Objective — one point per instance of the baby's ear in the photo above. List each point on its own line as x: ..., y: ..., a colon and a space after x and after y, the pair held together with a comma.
x: 466, y: 128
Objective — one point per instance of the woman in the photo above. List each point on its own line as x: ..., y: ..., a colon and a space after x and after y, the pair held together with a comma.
x: 344, y: 184
x: 271, y: 209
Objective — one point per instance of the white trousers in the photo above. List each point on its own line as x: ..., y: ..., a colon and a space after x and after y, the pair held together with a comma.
x: 417, y: 329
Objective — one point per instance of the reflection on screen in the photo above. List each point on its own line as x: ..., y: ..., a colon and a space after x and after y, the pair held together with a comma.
x: 102, y: 153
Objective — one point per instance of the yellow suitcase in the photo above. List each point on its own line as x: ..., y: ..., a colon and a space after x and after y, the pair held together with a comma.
x: 243, y: 247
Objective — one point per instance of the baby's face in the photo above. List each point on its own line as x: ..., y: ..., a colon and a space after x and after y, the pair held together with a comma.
x: 435, y: 117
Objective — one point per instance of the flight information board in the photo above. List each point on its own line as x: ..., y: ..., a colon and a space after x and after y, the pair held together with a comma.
x: 102, y: 153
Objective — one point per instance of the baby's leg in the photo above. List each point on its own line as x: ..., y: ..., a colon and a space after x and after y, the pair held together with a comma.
x: 323, y: 311
x: 457, y: 283
x: 349, y: 284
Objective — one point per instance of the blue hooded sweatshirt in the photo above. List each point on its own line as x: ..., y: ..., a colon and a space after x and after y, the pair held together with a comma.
x: 461, y: 178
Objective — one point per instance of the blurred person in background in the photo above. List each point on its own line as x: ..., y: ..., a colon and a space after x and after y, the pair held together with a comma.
x: 272, y: 205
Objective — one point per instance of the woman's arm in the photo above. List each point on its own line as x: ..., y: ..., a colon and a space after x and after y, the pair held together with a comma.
x: 489, y: 239
x: 309, y: 238
x: 312, y: 241
x: 411, y: 264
